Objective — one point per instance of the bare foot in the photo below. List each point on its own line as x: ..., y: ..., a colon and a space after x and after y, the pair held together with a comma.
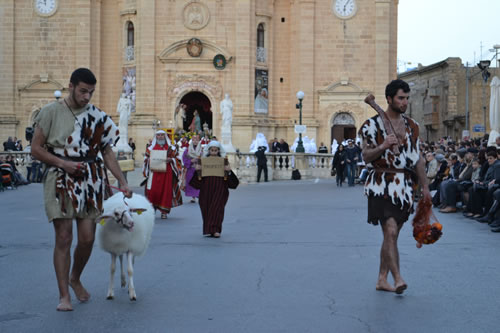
x: 65, y: 305
x: 400, y: 287
x: 81, y: 294
x: 216, y: 235
x: 384, y: 286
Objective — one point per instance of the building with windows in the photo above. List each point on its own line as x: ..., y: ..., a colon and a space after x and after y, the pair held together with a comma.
x: 163, y: 53
x: 438, y: 99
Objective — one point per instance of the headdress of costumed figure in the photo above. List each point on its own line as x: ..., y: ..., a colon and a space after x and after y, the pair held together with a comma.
x: 194, y: 152
x: 153, y: 143
x: 214, y: 144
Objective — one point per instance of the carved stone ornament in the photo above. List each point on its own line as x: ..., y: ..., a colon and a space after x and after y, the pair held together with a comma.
x: 194, y: 47
x: 343, y: 118
x: 196, y: 15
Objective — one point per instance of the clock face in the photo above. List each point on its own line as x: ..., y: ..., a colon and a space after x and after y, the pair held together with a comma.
x: 45, y: 7
x: 345, y: 8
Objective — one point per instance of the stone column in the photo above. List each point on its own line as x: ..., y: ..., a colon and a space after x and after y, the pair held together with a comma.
x: 7, y: 84
x: 305, y: 55
x: 382, y: 48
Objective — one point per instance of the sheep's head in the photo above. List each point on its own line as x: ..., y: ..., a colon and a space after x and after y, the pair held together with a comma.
x: 123, y: 215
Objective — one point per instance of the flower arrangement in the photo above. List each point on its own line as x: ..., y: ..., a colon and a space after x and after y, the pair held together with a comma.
x: 423, y: 231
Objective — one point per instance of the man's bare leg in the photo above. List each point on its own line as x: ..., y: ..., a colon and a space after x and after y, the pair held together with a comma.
x: 86, y: 236
x: 389, y: 257
x: 382, y: 283
x: 62, y: 260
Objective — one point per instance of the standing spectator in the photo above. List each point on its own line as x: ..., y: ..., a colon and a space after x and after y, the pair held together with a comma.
x: 19, y: 145
x: 9, y: 144
x: 275, y: 146
x: 131, y: 144
x: 284, y: 147
x: 339, y: 162
x: 322, y: 148
x: 261, y: 162
x: 352, y: 158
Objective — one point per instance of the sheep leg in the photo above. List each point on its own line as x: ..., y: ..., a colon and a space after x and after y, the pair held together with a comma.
x: 112, y: 276
x: 122, y: 273
x: 131, y: 289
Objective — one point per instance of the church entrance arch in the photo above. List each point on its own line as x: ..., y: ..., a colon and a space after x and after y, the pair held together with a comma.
x: 197, y: 101
x: 343, y: 127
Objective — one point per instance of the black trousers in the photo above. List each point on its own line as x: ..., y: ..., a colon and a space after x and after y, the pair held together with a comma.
x: 259, y: 171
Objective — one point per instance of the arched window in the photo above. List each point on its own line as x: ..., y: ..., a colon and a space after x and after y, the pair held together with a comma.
x: 130, y: 34
x: 260, y: 35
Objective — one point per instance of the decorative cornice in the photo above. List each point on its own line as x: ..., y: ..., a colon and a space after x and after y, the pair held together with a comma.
x: 128, y: 12
x: 30, y: 85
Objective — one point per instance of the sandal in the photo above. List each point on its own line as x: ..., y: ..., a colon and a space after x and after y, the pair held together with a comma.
x: 216, y: 235
x: 163, y: 216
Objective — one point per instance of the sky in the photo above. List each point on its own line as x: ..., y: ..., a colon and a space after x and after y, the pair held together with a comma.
x: 430, y: 31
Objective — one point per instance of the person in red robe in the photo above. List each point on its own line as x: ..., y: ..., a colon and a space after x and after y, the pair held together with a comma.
x: 214, y: 193
x: 163, y: 188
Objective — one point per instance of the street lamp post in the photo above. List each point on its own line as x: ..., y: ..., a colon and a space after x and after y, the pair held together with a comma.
x: 300, y: 146
x: 483, y: 66
x: 57, y: 94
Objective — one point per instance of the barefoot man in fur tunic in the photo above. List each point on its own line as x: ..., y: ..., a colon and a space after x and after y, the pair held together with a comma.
x: 70, y: 134
x: 389, y: 185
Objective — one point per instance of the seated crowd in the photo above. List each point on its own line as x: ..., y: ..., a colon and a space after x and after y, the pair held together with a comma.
x: 465, y: 176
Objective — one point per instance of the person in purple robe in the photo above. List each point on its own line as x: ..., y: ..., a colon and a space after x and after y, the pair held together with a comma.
x: 190, y: 157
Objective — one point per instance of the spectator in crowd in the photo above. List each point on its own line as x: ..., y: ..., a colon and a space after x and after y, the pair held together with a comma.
x: 431, y: 167
x: 455, y: 188
x: 352, y: 158
x: 131, y: 144
x: 339, y: 163
x: 275, y: 146
x: 481, y: 193
x: 284, y: 147
x: 261, y: 162
x: 9, y: 144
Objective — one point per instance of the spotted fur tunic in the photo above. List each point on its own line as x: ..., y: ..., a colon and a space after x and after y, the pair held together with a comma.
x: 93, y: 132
x: 396, y: 185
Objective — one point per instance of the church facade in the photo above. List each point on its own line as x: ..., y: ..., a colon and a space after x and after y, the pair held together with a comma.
x: 164, y: 53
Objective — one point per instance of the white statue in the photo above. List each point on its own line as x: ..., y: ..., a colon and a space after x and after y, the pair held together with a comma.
x: 180, y: 116
x: 226, y: 109
x: 124, y: 109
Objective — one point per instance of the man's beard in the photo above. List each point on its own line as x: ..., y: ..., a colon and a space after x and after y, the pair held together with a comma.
x: 161, y: 142
x: 398, y: 110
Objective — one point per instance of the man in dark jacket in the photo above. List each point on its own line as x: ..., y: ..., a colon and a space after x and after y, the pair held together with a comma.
x: 261, y: 162
x: 352, y: 159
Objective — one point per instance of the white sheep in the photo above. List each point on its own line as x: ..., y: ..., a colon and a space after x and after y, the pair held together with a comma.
x: 126, y: 228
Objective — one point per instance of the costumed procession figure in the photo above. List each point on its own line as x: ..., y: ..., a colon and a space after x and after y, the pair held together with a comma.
x: 180, y: 117
x: 391, y: 149
x: 75, y: 133
x: 190, y: 157
x: 214, y: 192
x: 162, y: 168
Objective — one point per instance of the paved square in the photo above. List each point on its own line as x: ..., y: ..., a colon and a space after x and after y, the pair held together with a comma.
x: 293, y: 257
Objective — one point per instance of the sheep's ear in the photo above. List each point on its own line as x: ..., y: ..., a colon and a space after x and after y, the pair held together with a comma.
x: 139, y: 211
x: 102, y: 219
